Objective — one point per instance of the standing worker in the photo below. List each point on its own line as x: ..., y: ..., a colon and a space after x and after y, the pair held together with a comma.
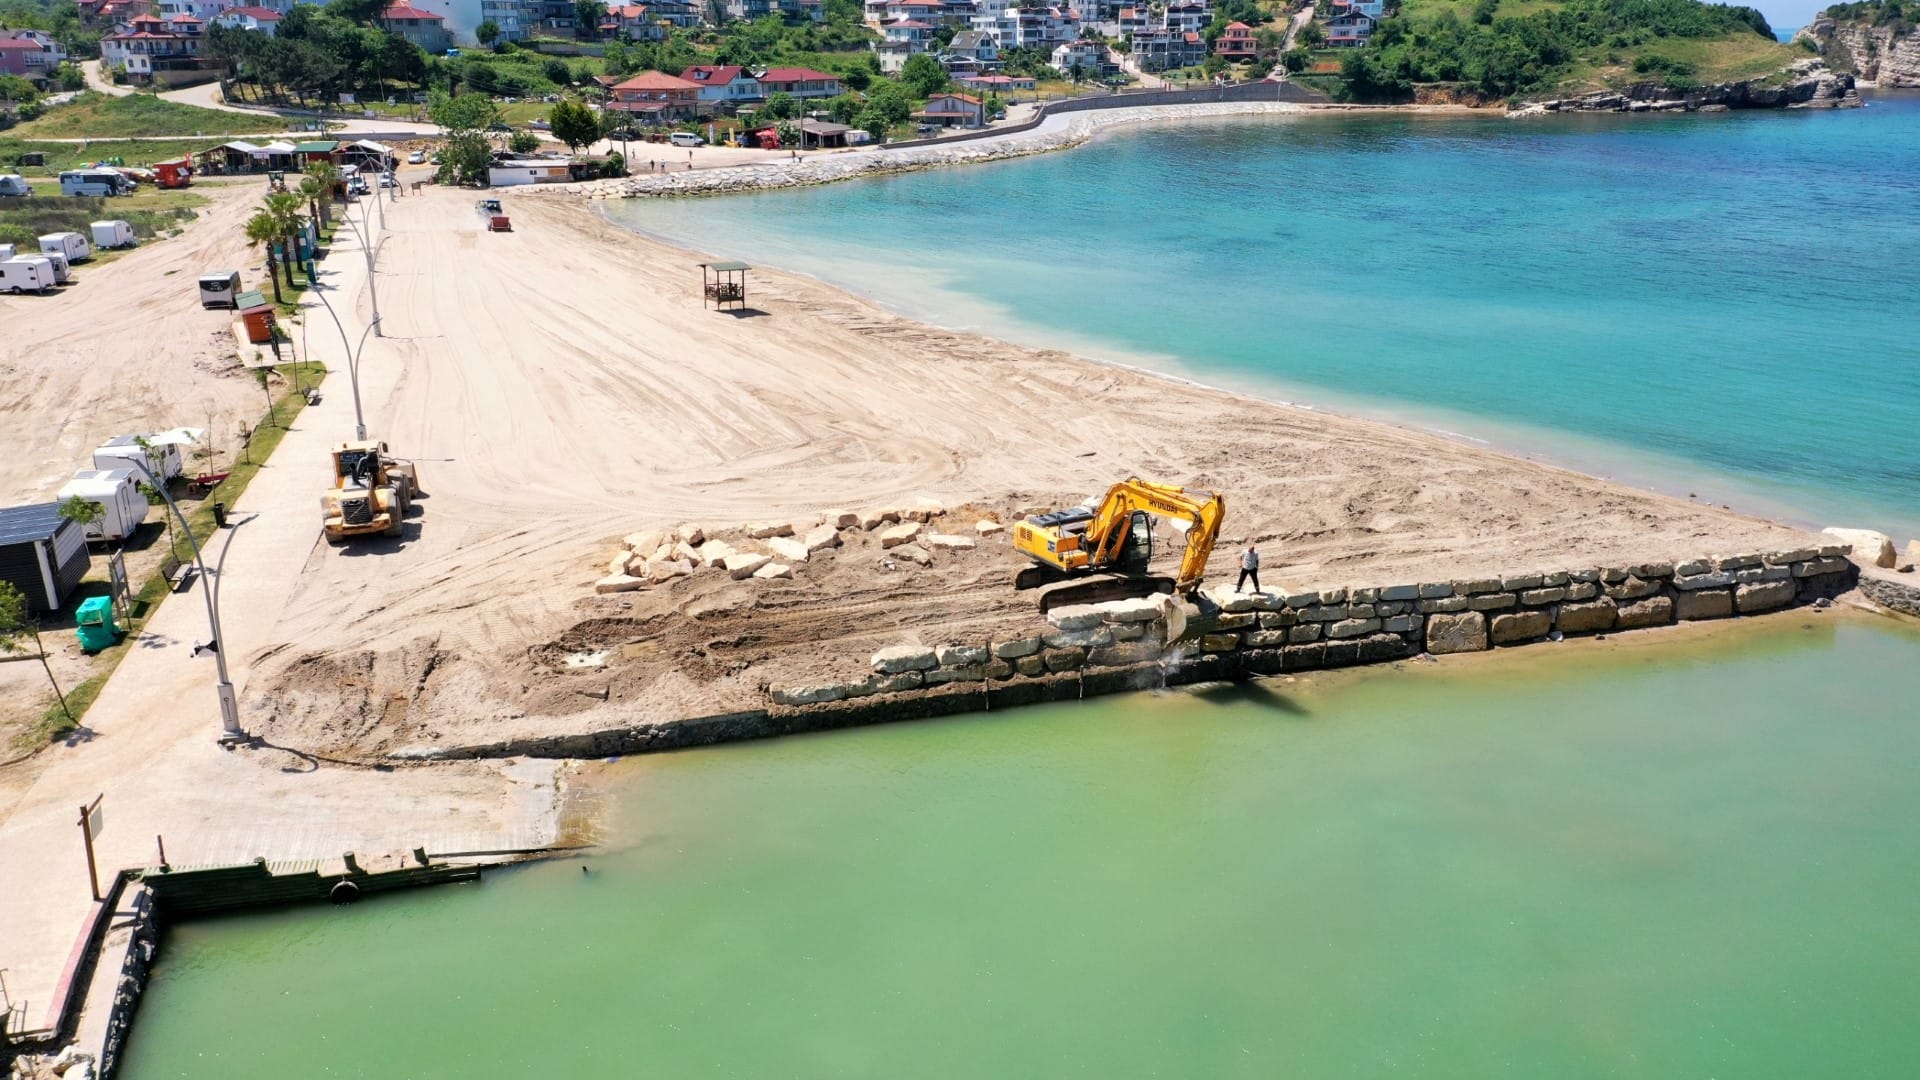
x: 1249, y: 568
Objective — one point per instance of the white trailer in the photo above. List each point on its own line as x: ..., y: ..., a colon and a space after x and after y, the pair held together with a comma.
x: 14, y: 184
x: 6, y: 251
x: 96, y: 182
x: 116, y: 452
x: 108, y: 235
x: 117, y: 493
x: 71, y: 244
x: 220, y: 289
x: 62, y: 269
x: 33, y: 273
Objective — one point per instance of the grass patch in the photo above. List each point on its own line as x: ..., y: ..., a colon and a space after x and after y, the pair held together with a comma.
x: 54, y: 724
x: 61, y: 156
x: 152, y: 213
x: 94, y: 115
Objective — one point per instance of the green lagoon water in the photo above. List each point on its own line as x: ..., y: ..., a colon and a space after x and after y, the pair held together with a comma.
x: 1567, y: 862
x: 1727, y: 305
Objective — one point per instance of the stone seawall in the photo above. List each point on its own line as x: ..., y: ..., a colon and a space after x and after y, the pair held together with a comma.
x: 1123, y: 645
x: 1071, y: 127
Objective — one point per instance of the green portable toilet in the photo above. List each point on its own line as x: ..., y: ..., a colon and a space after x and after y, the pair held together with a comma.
x: 94, y: 617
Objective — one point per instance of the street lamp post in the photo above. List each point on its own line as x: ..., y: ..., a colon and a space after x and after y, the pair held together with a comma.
x: 230, y: 731
x: 364, y: 233
x: 353, y: 360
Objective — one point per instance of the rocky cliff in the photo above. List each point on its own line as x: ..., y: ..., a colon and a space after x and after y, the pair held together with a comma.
x: 1808, y: 84
x: 1884, y: 55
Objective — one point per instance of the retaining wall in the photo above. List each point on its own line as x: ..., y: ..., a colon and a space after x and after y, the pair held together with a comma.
x: 1122, y: 646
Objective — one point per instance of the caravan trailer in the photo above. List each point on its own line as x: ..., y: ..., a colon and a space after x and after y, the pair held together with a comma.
x: 62, y: 269
x: 117, y: 493
x: 100, y: 183
x: 71, y: 244
x: 113, y: 234
x: 14, y: 184
x: 220, y: 289
x: 31, y: 273
x: 119, y: 451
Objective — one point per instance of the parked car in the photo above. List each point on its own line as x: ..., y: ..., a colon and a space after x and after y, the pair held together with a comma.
x: 418, y: 157
x: 686, y: 138
x: 499, y: 127
x: 540, y: 125
x: 387, y: 180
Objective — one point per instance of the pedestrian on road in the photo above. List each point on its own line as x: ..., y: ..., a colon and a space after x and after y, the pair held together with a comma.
x: 1249, y: 569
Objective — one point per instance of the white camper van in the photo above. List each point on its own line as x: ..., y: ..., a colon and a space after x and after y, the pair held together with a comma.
x: 116, y: 452
x: 108, y: 235
x: 31, y: 273
x: 14, y: 184
x: 71, y: 244
x: 220, y: 289
x: 96, y: 182
x: 117, y: 493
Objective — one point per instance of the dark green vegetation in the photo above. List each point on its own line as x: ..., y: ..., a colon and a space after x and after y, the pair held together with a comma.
x: 1580, y: 43
x: 1877, y: 13
x: 317, y: 53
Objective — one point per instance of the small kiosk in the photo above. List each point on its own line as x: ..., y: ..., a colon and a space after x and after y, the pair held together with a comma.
x: 724, y: 284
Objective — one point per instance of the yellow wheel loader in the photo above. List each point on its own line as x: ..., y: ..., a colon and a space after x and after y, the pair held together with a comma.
x: 371, y: 492
x: 1112, y: 543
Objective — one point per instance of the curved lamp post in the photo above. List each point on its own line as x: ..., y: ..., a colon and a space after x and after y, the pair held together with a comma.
x: 353, y: 359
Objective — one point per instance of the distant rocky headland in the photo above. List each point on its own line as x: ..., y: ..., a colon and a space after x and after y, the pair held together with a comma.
x: 1808, y: 84
x: 1875, y: 41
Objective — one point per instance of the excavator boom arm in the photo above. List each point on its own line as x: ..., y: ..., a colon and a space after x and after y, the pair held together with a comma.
x: 1204, y: 510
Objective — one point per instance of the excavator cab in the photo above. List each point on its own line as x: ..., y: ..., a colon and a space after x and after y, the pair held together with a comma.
x: 1115, y: 539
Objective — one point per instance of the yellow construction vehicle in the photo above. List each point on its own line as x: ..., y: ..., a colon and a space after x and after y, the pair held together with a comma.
x: 371, y: 492
x: 1116, y: 538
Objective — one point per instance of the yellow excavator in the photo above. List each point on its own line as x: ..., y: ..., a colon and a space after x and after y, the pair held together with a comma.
x: 1115, y: 539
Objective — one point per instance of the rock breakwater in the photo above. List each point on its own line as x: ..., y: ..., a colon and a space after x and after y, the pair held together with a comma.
x: 1808, y: 84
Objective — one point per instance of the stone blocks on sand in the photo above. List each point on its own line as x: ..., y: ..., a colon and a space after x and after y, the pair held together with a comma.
x: 1763, y: 596
x: 820, y: 537
x: 1518, y: 626
x: 1870, y: 548
x: 614, y: 583
x: 1589, y: 617
x: 789, y: 549
x: 873, y: 519
x: 1652, y: 611
x: 1076, y: 617
x: 742, y: 564
x: 1704, y: 604
x: 987, y: 527
x: 896, y: 535
x: 948, y: 542
x: 914, y: 554
x: 714, y: 552
x: 961, y: 655
x: 773, y: 571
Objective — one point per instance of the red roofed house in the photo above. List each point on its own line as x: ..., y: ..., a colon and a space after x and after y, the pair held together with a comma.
x: 637, y: 21
x: 653, y: 97
x: 799, y: 83
x: 151, y: 44
x: 423, y: 28
x: 1236, y: 43
x: 30, y: 54
x: 954, y: 110
x: 723, y: 83
x: 14, y: 54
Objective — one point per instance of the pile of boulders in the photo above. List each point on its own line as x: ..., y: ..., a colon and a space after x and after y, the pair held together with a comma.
x: 771, y: 550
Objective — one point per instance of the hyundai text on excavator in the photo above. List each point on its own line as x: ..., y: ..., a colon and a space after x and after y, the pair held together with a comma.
x: 370, y: 493
x: 1115, y: 539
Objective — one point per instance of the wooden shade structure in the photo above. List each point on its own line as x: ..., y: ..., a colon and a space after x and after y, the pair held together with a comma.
x: 724, y: 284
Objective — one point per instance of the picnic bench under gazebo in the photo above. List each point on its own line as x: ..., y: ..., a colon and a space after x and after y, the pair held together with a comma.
x: 724, y: 284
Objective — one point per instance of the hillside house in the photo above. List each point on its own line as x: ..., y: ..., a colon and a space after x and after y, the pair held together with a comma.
x: 31, y: 54
x: 260, y: 20
x: 654, y: 97
x: 1182, y: 17
x: 1162, y: 50
x: 723, y: 84
x: 954, y: 110
x: 799, y: 83
x: 423, y: 28
x: 995, y: 84
x: 1081, y: 58
x: 1236, y: 43
x: 1350, y: 29
x: 636, y: 21
x: 901, y: 40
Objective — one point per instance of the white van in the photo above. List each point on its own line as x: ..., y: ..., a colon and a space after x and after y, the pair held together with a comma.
x: 116, y: 452
x: 71, y: 244
x: 220, y: 289
x: 686, y: 138
x: 113, y: 234
x: 30, y: 273
x: 117, y: 493
x: 14, y: 184
x: 99, y: 183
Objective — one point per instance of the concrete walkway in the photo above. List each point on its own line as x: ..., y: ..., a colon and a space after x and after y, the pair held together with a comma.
x: 149, y: 742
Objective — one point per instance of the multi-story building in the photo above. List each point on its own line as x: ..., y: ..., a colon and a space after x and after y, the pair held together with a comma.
x: 1236, y: 43
x: 1160, y: 50
x: 424, y: 28
x: 901, y: 40
x: 636, y: 21
x: 1190, y: 15
x: 148, y: 44
x: 654, y: 97
x: 260, y: 20
x: 798, y: 82
x: 31, y: 54
x: 723, y: 84
x: 1081, y: 58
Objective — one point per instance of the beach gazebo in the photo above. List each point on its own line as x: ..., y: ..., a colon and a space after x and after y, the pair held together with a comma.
x: 724, y: 284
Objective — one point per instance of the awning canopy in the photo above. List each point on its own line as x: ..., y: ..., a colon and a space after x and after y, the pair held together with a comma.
x: 179, y: 436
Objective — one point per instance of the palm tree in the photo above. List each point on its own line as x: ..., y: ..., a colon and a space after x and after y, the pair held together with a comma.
x: 328, y: 175
x: 310, y: 188
x: 283, y: 208
x: 263, y: 230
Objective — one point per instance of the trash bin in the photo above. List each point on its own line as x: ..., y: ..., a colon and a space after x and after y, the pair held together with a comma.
x: 94, y: 618
x: 219, y: 515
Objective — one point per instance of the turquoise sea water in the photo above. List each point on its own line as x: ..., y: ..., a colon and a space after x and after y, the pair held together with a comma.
x: 1564, y: 862
x: 1723, y: 304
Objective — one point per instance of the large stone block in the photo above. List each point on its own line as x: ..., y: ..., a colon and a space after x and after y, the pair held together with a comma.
x: 1693, y: 566
x: 1076, y: 617
x: 820, y: 538
x: 1084, y: 639
x: 690, y: 535
x: 898, y: 658
x: 714, y: 552
x: 1498, y: 601
x: 1651, y: 570
x: 666, y: 570
x: 839, y: 519
x: 1743, y: 561
x: 645, y: 542
x: 947, y: 542
x: 1132, y: 652
x: 896, y: 535
x: 1789, y: 557
x: 1519, y: 626
x: 873, y: 519
x: 788, y: 549
x: 1401, y: 624
x: 1582, y: 590
x: 1652, y: 611
x: 1632, y: 588
x: 961, y: 655
x: 742, y: 564
x: 1456, y: 633
x: 1870, y: 548
x: 764, y: 530
x: 999, y: 669
x: 1763, y: 596
x: 1586, y: 618
x: 1438, y: 590
x: 1244, y: 620
x: 1381, y: 647
x: 1444, y: 604
x: 1363, y: 596
x: 1341, y: 653
x: 987, y: 528
x: 1128, y: 631
x: 1264, y: 639
x: 1763, y: 573
x: 1278, y: 620
x: 808, y: 695
x: 963, y: 673
x: 1017, y: 648
x: 914, y: 554
x: 1031, y: 665
x: 1133, y: 610
x: 1064, y: 659
x: 1719, y: 579
x: 1227, y: 600
x: 1704, y: 604
x: 1217, y: 643
x: 1305, y: 657
x: 1351, y: 628
x: 897, y: 683
x: 617, y: 583
x: 1830, y: 564
x: 1476, y: 586
x: 1400, y: 592
x: 1303, y: 633
x: 773, y: 571
x: 1543, y: 596
x: 1324, y: 613
x: 1519, y: 582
